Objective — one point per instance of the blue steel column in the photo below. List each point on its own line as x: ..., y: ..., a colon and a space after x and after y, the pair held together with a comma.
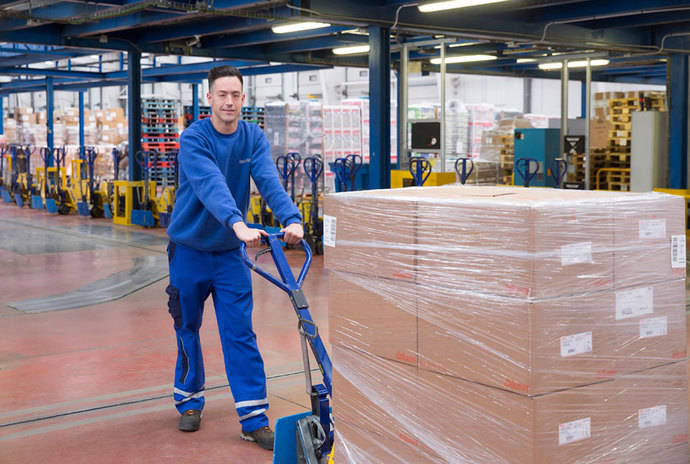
x: 678, y: 124
x: 379, y: 108
x: 2, y: 128
x: 50, y: 104
x: 81, y: 118
x: 195, y: 102
x: 134, y: 111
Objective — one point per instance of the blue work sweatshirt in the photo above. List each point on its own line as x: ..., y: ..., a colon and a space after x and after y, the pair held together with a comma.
x: 213, y: 192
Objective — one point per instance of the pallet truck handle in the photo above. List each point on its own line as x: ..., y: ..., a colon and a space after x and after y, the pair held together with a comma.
x: 287, y: 283
x: 523, y: 165
x: 463, y: 173
x: 313, y: 167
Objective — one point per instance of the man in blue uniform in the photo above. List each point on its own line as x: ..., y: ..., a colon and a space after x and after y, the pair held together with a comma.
x: 217, y: 157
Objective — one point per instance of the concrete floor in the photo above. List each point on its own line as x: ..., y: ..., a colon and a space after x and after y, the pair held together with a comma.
x: 93, y: 384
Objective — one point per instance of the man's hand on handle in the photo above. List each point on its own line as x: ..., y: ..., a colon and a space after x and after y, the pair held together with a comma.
x: 251, y: 237
x: 293, y: 233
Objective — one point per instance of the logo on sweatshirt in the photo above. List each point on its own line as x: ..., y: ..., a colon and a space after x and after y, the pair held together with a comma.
x: 246, y: 160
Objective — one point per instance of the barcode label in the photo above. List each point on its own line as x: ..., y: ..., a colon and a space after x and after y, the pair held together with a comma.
x: 633, y: 303
x: 576, y: 253
x: 678, y: 251
x: 329, y: 228
x: 576, y: 344
x: 571, y: 432
x: 652, y: 228
x: 654, y: 327
x: 651, y: 417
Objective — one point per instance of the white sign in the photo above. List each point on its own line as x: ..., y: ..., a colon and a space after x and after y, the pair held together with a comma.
x: 654, y: 327
x: 633, y: 303
x: 576, y: 253
x: 651, y: 417
x: 329, y: 228
x: 576, y: 344
x: 652, y: 228
x: 678, y: 251
x: 571, y: 432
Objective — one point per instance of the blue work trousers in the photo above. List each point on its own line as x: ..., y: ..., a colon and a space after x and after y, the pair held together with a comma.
x: 194, y: 275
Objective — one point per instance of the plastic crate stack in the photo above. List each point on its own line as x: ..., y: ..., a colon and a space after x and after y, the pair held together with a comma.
x: 253, y: 114
x: 204, y: 112
x: 159, y: 119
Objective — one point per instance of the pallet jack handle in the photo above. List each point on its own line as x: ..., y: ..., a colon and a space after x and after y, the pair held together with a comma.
x: 523, y: 165
x: 287, y: 281
x: 463, y: 172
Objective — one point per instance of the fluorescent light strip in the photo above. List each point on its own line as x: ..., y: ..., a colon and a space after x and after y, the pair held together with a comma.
x: 351, y: 50
x: 449, y: 5
x: 572, y: 64
x: 296, y: 27
x: 464, y: 59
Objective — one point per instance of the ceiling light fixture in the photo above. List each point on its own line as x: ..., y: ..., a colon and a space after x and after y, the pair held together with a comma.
x: 351, y: 50
x: 464, y: 59
x: 296, y: 27
x: 452, y: 4
x: 553, y: 66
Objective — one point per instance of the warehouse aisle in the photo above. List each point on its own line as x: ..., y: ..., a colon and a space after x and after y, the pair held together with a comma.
x: 93, y: 384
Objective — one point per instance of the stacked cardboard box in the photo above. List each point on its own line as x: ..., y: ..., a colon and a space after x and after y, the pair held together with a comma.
x: 507, y: 325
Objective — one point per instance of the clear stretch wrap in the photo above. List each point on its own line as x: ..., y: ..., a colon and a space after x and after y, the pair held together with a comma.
x: 507, y: 325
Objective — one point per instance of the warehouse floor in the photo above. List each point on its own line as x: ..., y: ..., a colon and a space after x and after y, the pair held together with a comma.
x: 93, y: 384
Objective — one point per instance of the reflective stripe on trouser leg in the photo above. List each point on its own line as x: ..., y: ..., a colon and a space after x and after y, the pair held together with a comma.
x: 190, y: 276
x: 232, y: 298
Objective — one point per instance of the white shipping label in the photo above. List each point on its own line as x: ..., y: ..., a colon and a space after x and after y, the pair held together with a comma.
x: 329, y: 227
x: 654, y: 327
x: 576, y: 344
x: 678, y: 251
x: 652, y: 228
x: 633, y: 303
x: 651, y: 417
x: 576, y: 253
x: 571, y: 432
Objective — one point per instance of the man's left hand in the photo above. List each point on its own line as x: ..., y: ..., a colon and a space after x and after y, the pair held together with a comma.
x: 293, y: 233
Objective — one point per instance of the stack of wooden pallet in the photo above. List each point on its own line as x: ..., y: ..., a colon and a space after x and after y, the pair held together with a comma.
x: 615, y: 160
x: 507, y: 156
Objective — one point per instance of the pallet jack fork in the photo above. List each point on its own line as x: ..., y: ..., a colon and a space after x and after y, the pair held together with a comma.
x: 307, y: 437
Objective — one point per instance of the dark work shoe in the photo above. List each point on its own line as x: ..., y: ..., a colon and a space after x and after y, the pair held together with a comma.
x: 190, y: 420
x: 262, y: 437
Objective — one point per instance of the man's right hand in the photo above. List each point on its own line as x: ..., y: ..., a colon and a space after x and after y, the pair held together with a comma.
x: 251, y: 237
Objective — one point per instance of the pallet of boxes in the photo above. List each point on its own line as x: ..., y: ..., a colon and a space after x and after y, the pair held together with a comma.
x: 507, y: 326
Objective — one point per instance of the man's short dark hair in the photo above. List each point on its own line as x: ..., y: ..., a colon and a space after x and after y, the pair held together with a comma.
x: 223, y: 71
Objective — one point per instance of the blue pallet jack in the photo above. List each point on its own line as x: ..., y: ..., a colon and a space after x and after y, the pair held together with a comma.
x: 420, y: 168
x: 287, y: 167
x: 345, y: 170
x: 306, y: 437
x: 463, y: 173
x: 313, y: 227
x: 559, y: 168
x: 523, y: 167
